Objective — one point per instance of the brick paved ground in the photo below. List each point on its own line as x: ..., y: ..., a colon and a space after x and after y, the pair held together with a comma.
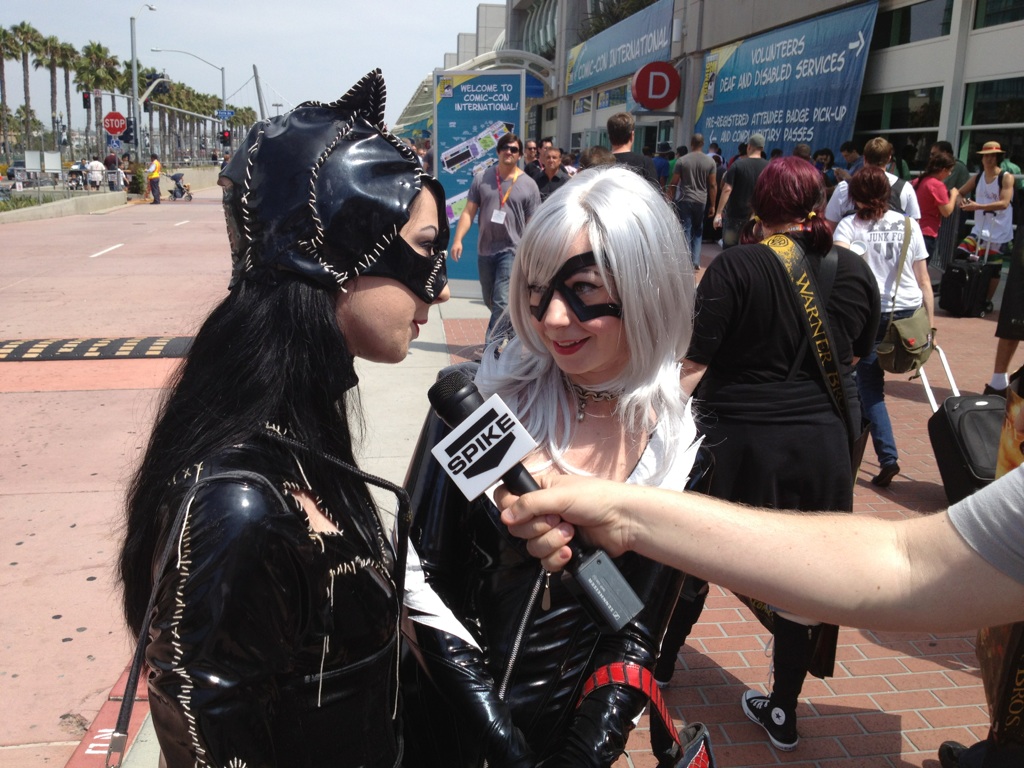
x: 895, y: 696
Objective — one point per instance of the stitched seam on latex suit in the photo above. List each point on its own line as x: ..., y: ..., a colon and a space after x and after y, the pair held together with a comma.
x: 312, y: 247
x: 185, y: 699
x: 247, y: 187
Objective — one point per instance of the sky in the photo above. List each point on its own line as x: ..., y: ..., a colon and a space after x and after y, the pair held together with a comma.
x: 303, y: 49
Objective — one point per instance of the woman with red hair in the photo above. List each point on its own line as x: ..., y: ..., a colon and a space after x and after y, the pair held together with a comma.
x: 778, y: 437
x: 877, y: 234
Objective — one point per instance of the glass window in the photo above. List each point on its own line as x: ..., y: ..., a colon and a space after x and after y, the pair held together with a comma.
x: 581, y: 105
x: 997, y: 103
x: 908, y: 119
x: 613, y: 97
x: 917, y: 108
x: 992, y: 12
x: 550, y: 113
x: 921, y: 21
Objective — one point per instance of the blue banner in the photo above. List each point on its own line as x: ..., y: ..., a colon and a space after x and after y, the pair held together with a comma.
x: 797, y: 85
x: 472, y: 110
x: 622, y: 49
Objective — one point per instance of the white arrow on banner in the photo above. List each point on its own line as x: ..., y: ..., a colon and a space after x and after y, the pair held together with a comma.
x: 858, y: 44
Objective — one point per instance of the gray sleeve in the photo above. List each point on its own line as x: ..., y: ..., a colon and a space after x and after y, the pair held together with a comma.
x: 992, y: 523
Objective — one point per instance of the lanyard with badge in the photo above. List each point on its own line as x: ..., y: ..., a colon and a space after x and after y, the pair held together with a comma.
x: 498, y: 216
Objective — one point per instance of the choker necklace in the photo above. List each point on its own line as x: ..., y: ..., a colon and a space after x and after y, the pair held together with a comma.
x: 583, y: 396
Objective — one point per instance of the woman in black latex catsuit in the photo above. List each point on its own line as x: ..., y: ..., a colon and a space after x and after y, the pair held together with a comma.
x: 601, y: 296
x: 274, y: 636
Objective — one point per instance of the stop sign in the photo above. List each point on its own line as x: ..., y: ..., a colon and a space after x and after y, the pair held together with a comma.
x: 656, y: 85
x: 114, y: 123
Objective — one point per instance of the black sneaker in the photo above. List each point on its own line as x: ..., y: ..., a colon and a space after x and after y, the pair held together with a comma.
x: 990, y: 390
x: 779, y: 724
x: 949, y: 754
x: 885, y: 475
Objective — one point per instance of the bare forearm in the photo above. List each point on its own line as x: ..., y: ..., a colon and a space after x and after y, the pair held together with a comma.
x: 856, y: 570
x: 724, y: 199
x: 845, y: 569
x: 465, y: 222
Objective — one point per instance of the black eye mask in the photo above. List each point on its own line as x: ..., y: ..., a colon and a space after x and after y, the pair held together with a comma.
x: 583, y: 312
x: 425, y: 276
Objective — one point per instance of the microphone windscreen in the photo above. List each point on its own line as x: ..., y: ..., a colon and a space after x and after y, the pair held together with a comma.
x: 454, y: 397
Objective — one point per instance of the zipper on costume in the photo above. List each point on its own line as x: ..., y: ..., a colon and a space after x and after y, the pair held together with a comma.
x: 518, y: 642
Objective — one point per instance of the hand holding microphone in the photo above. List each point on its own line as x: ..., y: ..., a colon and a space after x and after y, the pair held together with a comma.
x: 486, y: 444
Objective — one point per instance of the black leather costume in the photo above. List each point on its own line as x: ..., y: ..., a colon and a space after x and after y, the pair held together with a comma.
x: 513, y: 699
x: 272, y: 644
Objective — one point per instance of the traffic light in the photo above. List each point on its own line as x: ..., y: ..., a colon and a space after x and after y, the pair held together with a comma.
x: 225, y: 138
x: 128, y: 137
x: 87, y: 100
x: 145, y: 106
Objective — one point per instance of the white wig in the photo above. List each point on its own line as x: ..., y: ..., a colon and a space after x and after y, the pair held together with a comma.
x: 644, y: 258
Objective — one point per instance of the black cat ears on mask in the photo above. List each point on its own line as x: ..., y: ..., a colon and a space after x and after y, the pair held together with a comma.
x: 323, y: 190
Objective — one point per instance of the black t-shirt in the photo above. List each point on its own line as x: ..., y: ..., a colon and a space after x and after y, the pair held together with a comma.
x: 534, y: 169
x: 548, y: 185
x: 641, y: 164
x: 747, y: 328
x: 742, y: 176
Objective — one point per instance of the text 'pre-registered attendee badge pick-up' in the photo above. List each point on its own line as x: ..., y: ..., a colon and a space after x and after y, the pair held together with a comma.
x: 483, y: 447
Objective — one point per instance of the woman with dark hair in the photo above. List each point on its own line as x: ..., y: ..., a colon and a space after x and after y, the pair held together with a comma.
x: 272, y: 627
x: 877, y: 234
x: 780, y: 434
x: 936, y: 202
x: 601, y: 293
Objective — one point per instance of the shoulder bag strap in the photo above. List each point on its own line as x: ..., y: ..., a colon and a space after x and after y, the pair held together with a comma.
x: 826, y: 277
x: 899, y: 270
x: 119, y: 738
x: 815, y: 321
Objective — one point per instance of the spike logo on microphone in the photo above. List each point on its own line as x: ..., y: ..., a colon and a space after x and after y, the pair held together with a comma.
x: 483, y: 447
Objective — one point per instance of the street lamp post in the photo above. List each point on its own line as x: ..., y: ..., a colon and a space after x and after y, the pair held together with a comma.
x: 135, y: 84
x: 223, y: 88
x: 278, y: 105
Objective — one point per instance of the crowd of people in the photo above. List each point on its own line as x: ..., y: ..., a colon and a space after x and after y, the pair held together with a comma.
x: 273, y: 603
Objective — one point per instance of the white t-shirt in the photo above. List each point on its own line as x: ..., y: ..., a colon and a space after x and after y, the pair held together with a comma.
x: 840, y: 204
x: 879, y: 242
x: 96, y: 170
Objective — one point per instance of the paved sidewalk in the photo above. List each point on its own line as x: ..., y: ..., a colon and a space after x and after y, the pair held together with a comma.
x: 71, y: 430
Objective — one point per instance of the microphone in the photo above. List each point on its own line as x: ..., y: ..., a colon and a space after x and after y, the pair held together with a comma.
x: 486, y: 444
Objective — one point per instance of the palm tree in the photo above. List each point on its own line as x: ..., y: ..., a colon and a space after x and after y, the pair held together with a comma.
x: 46, y: 58
x: 7, y: 51
x: 67, y: 59
x: 97, y: 69
x: 28, y: 116
x: 26, y: 41
x: 85, y: 81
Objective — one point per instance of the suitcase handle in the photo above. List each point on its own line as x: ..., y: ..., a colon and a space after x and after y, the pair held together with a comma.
x: 949, y: 377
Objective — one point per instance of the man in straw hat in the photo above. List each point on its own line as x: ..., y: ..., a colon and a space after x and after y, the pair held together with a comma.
x: 991, y: 236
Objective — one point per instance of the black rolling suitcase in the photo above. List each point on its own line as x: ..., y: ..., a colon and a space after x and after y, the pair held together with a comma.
x: 963, y: 291
x: 964, y: 432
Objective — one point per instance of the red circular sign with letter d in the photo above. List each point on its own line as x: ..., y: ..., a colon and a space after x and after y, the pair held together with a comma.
x: 114, y: 123
x: 656, y: 85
